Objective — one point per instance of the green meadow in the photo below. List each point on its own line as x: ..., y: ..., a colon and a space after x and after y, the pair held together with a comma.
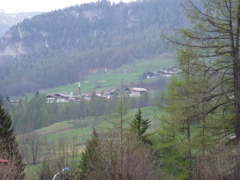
x: 126, y: 74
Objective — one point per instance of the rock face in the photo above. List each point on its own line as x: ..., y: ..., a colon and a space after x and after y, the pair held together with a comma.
x: 7, y: 20
x: 89, y: 26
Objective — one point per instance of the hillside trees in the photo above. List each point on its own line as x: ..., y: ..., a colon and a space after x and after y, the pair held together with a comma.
x: 183, y: 131
x: 9, y: 148
x: 213, y: 45
x: 34, y: 113
x: 117, y: 153
x: 89, y: 158
x: 203, y: 105
x: 30, y: 147
x: 59, y: 154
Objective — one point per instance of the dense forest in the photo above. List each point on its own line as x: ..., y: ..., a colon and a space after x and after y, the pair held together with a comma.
x: 69, y: 43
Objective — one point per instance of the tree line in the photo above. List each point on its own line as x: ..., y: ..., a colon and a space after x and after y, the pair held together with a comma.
x: 35, y: 113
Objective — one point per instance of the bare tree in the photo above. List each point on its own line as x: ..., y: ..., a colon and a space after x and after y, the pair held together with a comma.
x: 30, y: 147
x: 124, y: 158
x: 60, y: 154
x: 218, y: 165
x: 10, y: 169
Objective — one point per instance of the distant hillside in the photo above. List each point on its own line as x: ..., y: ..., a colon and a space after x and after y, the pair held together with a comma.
x: 63, y: 46
x: 9, y: 19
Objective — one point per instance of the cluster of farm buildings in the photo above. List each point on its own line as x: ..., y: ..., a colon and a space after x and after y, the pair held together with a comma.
x: 165, y: 72
x: 131, y: 92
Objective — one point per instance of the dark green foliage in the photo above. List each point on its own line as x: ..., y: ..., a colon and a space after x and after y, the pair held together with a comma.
x: 37, y: 94
x: 1, y: 99
x: 88, y: 157
x: 7, y: 98
x: 140, y: 126
x: 9, y: 145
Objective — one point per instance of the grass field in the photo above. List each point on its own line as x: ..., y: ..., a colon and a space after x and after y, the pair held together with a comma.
x: 83, y: 128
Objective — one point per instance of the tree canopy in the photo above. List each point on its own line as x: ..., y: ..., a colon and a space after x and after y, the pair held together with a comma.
x: 203, y: 104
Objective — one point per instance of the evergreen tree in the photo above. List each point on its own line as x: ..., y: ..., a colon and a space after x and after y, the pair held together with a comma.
x: 140, y: 126
x: 9, y: 145
x: 1, y: 99
x: 7, y: 98
x: 90, y: 155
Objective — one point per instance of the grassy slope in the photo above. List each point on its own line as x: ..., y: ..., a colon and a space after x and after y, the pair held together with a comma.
x: 123, y: 75
x: 83, y: 127
x: 78, y: 131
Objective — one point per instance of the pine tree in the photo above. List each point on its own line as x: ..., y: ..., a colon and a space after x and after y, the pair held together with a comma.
x: 140, y: 126
x: 89, y: 157
x: 9, y: 145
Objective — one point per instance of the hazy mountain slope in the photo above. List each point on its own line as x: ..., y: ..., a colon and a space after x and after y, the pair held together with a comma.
x: 9, y: 19
x: 87, y: 26
x: 55, y: 48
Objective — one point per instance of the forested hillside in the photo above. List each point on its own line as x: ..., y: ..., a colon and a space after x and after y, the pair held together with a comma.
x: 63, y: 46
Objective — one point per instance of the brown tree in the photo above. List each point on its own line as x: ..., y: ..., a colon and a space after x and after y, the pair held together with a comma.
x: 126, y: 158
x: 218, y: 164
x: 9, y: 169
x: 60, y: 154
x: 30, y: 147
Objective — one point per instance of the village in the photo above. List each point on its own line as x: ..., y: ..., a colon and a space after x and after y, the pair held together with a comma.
x: 108, y: 94
x: 165, y: 72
